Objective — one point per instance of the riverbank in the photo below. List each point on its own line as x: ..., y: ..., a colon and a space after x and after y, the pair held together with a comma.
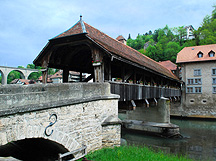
x: 130, y: 153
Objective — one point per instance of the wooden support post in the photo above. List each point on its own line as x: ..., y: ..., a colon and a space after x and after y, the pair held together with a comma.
x: 98, y: 65
x: 110, y: 72
x: 44, y: 76
x: 65, y: 75
x: 80, y: 76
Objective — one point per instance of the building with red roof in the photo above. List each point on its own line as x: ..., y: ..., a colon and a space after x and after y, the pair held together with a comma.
x: 198, y: 66
x: 171, y: 66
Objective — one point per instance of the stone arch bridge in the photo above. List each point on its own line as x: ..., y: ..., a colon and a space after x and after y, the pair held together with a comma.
x: 4, y: 70
x: 66, y: 115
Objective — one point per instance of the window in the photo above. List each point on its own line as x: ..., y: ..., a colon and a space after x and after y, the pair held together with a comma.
x: 213, y: 80
x: 214, y: 89
x: 197, y: 81
x: 189, y: 89
x: 211, y: 54
x: 214, y: 71
x: 198, y: 89
x: 190, y: 81
x: 197, y: 72
x: 200, y: 54
x: 194, y: 89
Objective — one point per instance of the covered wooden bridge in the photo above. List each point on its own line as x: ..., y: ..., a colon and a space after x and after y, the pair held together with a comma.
x: 85, y: 49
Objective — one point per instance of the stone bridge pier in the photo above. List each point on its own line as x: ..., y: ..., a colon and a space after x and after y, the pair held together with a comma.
x: 67, y: 114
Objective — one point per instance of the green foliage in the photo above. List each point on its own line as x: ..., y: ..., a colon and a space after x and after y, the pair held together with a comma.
x: 34, y: 75
x: 172, y: 48
x: 0, y: 79
x: 129, y: 153
x: 165, y: 43
x: 13, y: 75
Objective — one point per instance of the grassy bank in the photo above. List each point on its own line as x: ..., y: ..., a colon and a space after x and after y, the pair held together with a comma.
x: 131, y: 153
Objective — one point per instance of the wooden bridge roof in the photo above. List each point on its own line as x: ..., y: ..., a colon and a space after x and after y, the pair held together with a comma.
x: 114, y: 47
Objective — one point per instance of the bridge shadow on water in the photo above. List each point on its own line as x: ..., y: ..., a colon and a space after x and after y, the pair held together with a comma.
x: 34, y: 149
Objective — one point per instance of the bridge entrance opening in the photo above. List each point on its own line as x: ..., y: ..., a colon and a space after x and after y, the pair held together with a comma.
x: 34, y: 149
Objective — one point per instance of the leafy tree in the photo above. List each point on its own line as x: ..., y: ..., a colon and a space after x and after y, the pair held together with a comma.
x: 171, y: 51
x: 31, y: 66
x: 150, y: 32
x: 13, y: 75
x: 155, y: 35
x: 0, y: 79
x: 151, y: 52
x: 34, y: 75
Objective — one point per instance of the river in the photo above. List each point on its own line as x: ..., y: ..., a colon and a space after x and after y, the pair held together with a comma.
x: 199, y: 142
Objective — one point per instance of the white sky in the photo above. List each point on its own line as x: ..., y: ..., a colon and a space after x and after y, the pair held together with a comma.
x: 27, y: 25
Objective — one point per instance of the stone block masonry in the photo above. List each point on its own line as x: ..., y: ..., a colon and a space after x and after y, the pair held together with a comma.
x: 88, y: 116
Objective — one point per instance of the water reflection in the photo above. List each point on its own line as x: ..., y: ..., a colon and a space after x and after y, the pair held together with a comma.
x: 199, y: 142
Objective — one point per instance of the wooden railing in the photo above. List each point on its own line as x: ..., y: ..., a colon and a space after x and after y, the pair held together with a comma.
x: 129, y: 92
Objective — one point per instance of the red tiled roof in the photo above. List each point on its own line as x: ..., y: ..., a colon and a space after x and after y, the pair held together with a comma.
x: 60, y: 73
x: 48, y: 79
x: 189, y: 54
x: 117, y: 48
x: 57, y: 75
x: 24, y: 81
x: 168, y: 64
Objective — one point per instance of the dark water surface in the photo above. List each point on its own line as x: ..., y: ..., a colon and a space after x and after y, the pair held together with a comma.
x: 199, y: 142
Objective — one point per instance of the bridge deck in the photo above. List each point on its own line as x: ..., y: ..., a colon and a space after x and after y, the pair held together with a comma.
x: 129, y: 92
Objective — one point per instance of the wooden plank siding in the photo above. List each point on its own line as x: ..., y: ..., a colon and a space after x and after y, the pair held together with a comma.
x: 129, y: 92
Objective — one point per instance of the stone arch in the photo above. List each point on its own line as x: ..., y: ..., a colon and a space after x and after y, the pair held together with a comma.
x: 33, y: 149
x: 2, y: 77
x: 29, y: 74
x: 22, y: 76
x: 22, y: 130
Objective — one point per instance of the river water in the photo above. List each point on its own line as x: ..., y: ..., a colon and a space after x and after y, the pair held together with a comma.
x: 199, y: 142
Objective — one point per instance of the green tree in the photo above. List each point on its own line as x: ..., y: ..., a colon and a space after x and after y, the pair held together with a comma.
x: 207, y: 32
x: 34, y: 75
x: 172, y: 48
x: 151, y: 52
x: 31, y: 66
x: 129, y: 36
x: 13, y: 75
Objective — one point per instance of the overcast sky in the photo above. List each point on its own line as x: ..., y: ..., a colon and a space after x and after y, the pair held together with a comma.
x: 27, y: 25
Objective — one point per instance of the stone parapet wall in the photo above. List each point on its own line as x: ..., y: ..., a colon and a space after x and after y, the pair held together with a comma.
x: 21, y: 98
